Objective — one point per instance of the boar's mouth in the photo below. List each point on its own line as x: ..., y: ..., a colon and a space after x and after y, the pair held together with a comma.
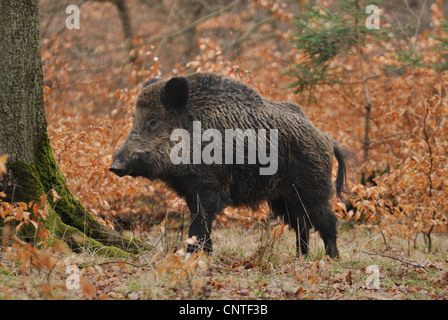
x: 120, y: 170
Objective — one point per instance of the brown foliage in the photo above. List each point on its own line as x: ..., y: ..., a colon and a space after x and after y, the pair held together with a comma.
x: 91, y: 88
x: 92, y: 80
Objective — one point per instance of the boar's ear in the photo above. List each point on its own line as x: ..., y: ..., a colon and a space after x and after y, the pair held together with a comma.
x: 174, y: 94
x: 147, y: 83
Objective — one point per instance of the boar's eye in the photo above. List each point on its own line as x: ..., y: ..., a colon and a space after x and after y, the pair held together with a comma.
x: 151, y: 124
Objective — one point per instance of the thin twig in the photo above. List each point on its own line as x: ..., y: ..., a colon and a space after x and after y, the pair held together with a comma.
x: 193, y: 24
x: 82, y: 266
x: 253, y: 28
x: 410, y: 263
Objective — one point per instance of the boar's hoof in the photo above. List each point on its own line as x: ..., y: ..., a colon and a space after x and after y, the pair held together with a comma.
x: 204, y: 246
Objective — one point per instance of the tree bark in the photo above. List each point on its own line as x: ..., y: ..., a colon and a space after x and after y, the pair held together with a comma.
x: 31, y: 168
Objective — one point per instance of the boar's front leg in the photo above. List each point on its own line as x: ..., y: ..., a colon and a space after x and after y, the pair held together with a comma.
x: 203, y: 209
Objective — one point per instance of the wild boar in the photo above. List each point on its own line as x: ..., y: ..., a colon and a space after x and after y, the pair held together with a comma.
x: 206, y: 136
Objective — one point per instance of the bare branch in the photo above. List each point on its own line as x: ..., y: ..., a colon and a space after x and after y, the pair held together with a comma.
x: 253, y: 28
x: 193, y: 24
x: 124, y: 16
x: 403, y: 261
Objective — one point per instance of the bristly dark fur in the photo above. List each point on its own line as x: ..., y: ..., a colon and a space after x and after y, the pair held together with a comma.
x: 300, y: 190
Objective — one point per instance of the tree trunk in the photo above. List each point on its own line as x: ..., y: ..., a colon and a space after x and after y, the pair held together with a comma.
x: 32, y: 168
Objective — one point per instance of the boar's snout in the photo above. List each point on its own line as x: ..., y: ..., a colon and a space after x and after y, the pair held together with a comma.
x: 121, y: 165
x: 119, y: 169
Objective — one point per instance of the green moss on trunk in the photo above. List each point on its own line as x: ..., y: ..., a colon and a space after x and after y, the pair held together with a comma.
x: 69, y: 209
x: 27, y: 186
x: 77, y: 240
x: 68, y: 219
x: 33, y: 170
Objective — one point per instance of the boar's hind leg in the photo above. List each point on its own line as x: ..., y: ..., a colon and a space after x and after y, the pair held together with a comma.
x: 203, y: 209
x: 302, y: 216
x: 314, y: 210
x: 292, y: 215
x: 326, y: 225
x: 324, y: 221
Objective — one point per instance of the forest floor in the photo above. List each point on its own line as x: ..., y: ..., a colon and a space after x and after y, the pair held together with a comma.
x: 246, y: 264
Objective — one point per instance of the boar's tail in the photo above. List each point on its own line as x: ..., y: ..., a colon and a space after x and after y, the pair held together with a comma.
x: 343, y: 157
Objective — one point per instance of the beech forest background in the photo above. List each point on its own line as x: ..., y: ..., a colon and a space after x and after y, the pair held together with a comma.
x: 382, y: 93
